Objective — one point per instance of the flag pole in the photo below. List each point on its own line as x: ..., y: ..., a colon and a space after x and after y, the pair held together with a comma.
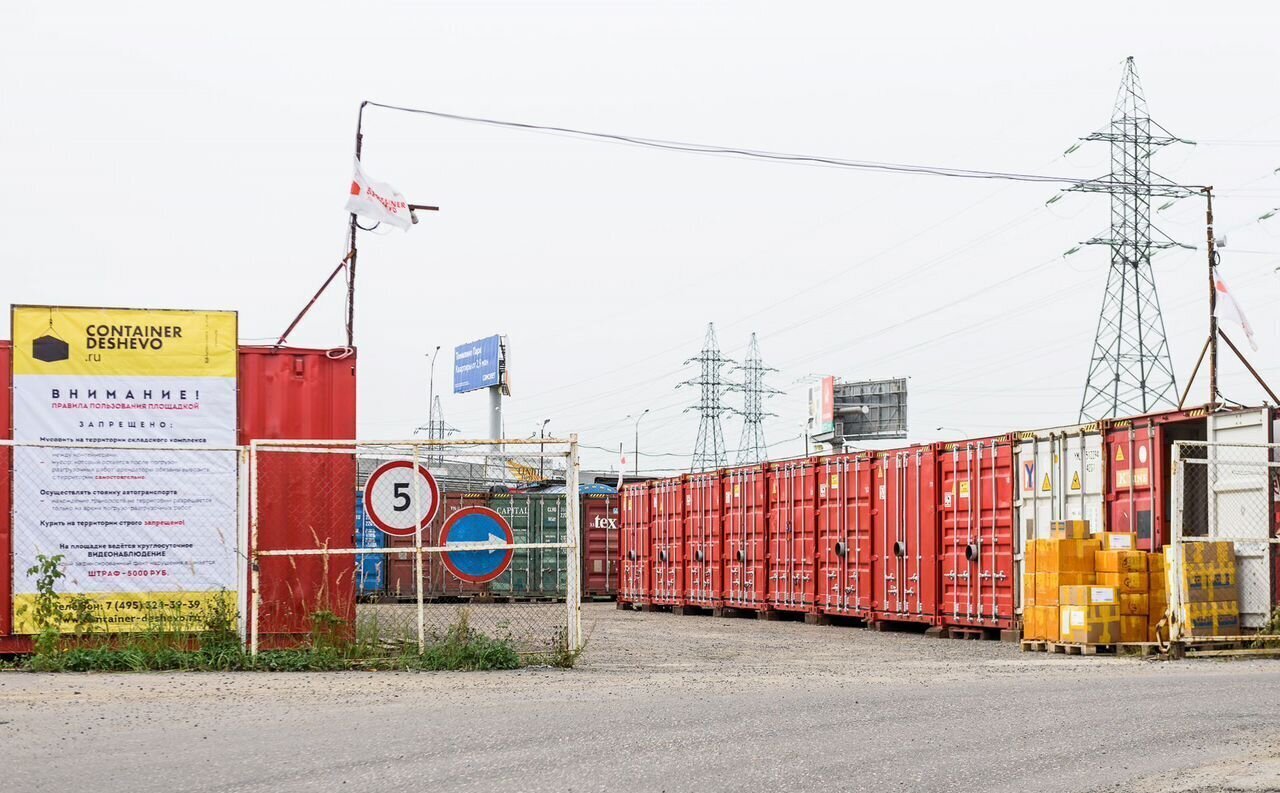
x: 351, y: 253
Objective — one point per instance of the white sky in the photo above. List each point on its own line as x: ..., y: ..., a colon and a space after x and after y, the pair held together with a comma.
x: 156, y: 155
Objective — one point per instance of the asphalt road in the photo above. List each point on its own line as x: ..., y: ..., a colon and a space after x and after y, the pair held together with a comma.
x: 664, y: 703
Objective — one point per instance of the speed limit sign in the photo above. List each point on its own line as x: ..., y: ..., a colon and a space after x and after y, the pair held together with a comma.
x: 401, y: 500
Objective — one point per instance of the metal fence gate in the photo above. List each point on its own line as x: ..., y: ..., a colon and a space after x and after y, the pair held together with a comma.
x: 1221, y: 563
x: 439, y: 564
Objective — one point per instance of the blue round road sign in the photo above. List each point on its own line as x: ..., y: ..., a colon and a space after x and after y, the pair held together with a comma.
x: 477, y: 524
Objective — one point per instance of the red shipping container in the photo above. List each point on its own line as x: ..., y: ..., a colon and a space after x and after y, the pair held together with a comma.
x: 792, y: 558
x: 977, y: 585
x: 297, y: 394
x: 437, y: 582
x: 599, y: 545
x: 905, y: 559
x: 845, y: 538
x: 633, y: 545
x: 666, y: 584
x: 1136, y: 461
x: 746, y: 539
x: 703, y: 557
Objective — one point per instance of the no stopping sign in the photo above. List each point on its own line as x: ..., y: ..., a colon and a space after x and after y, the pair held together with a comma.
x: 400, y: 499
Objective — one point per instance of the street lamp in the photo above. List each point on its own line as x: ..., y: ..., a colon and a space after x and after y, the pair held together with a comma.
x: 637, y: 418
x: 431, y: 397
x: 542, y: 433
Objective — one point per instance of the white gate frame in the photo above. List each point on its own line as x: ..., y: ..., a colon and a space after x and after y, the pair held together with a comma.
x: 475, y: 448
x: 1178, y: 470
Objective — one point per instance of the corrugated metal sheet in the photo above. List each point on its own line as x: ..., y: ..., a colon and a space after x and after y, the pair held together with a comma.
x: 304, y: 500
x: 845, y: 546
x: 633, y: 544
x: 666, y: 582
x: 600, y: 545
x: 905, y: 562
x: 792, y: 559
x: 703, y: 540
x: 371, y: 568
x: 746, y: 538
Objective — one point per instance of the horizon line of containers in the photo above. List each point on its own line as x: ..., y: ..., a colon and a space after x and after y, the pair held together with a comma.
x: 927, y: 534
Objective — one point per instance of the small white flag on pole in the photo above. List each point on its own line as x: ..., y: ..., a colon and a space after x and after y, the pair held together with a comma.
x: 377, y: 201
x: 1227, y: 308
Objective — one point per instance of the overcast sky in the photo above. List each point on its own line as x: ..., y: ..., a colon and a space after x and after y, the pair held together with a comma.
x: 159, y: 155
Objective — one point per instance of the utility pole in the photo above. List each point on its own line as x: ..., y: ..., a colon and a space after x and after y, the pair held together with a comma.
x: 709, y: 452
x: 1210, y: 244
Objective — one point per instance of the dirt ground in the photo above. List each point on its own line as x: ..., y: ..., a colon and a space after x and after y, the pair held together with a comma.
x: 661, y: 702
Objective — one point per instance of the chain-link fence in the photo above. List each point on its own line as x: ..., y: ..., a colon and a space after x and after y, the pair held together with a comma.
x: 1221, y: 563
x: 447, y: 536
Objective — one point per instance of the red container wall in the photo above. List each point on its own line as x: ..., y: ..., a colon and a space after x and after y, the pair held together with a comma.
x: 746, y: 540
x: 792, y: 559
x: 599, y: 546
x: 905, y: 561
x: 703, y: 555
x: 976, y: 545
x: 666, y: 584
x: 298, y: 394
x: 6, y: 491
x: 844, y: 522
x: 437, y: 582
x: 1136, y: 462
x: 633, y: 545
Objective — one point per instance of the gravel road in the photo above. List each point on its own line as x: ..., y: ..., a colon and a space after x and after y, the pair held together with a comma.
x: 665, y: 703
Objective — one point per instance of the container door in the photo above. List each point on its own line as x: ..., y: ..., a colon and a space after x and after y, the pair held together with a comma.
x: 744, y: 513
x: 844, y: 536
x: 792, y: 489
x: 702, y: 555
x: 633, y: 545
x: 1131, y: 457
x: 1240, y: 503
x: 906, y: 553
x: 668, y: 538
x: 977, y: 583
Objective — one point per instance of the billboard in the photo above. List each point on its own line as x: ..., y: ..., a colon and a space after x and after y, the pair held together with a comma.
x: 477, y: 364
x: 822, y: 406
x: 147, y: 536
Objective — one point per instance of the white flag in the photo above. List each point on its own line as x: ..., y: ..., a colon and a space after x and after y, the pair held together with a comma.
x: 377, y: 201
x: 1227, y: 308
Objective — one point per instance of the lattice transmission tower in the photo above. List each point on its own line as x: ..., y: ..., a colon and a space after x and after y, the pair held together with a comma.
x: 1130, y: 370
x: 709, y: 452
x: 752, y: 448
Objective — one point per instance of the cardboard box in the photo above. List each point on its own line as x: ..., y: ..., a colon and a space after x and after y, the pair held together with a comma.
x: 1132, y: 604
x: 1089, y: 624
x: 1028, y: 589
x: 1210, y: 553
x: 1088, y: 595
x: 1155, y: 562
x: 1209, y: 585
x: 1117, y: 541
x: 1125, y: 583
x: 1105, y: 561
x: 1049, y: 584
x: 1069, y: 530
x: 1134, y: 629
x: 1029, y: 557
x: 1210, y: 619
x: 1040, y: 623
x: 1066, y: 556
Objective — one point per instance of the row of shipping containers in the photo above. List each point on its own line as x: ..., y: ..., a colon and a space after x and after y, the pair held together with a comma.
x: 534, y: 573
x: 931, y: 534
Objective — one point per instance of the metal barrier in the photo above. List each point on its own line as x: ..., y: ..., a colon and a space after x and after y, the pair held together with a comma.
x: 468, y: 548
x: 1221, y: 563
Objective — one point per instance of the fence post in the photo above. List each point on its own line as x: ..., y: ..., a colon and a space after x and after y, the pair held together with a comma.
x: 573, y: 597
x: 417, y: 553
x: 1177, y: 480
x: 244, y: 499
x: 255, y: 576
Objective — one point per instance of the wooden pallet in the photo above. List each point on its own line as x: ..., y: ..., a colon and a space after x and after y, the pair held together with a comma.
x: 1073, y: 648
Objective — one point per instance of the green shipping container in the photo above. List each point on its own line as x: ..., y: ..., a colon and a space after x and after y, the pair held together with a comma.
x: 534, y: 518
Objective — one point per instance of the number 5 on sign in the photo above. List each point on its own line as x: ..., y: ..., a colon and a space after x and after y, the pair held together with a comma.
x: 390, y: 495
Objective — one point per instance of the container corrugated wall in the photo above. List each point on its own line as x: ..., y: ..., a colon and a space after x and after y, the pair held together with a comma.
x: 792, y: 558
x: 977, y: 582
x: 633, y: 545
x: 600, y: 518
x: 905, y: 561
x: 746, y: 538
x: 535, y: 518
x: 666, y: 582
x: 301, y: 394
x: 371, y: 568
x: 845, y: 537
x: 703, y: 540
x: 1137, y: 471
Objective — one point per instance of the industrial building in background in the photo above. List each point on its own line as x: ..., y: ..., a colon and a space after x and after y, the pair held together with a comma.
x: 709, y: 452
x: 1130, y: 370
x: 752, y: 447
x: 866, y: 410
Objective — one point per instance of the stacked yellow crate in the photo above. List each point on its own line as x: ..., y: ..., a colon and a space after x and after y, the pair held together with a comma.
x: 1064, y: 560
x: 1208, y: 587
x: 1126, y: 571
x: 1158, y: 597
x: 1089, y: 615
